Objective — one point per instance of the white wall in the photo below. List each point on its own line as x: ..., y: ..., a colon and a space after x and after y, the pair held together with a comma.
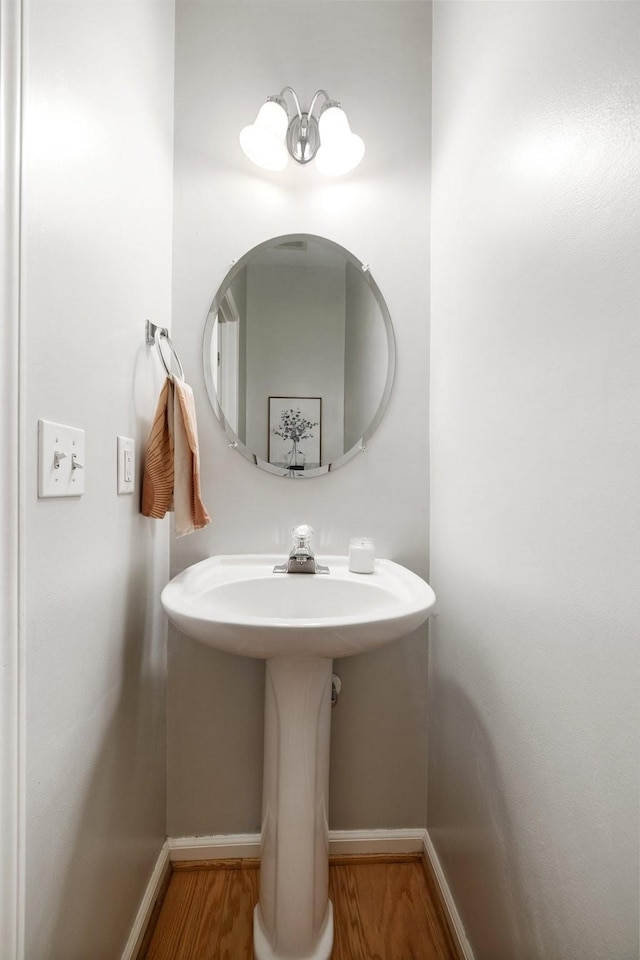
x: 533, y: 780
x: 365, y: 358
x: 96, y: 261
x: 375, y: 57
x: 11, y: 636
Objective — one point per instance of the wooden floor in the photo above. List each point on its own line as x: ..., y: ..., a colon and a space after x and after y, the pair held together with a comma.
x: 385, y: 908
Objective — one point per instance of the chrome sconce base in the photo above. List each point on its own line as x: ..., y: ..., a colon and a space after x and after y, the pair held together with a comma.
x: 303, y: 139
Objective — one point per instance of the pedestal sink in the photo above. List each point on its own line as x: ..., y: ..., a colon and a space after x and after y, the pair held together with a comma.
x: 298, y: 624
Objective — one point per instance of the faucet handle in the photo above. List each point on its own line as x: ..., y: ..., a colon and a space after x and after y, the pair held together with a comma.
x: 302, y: 534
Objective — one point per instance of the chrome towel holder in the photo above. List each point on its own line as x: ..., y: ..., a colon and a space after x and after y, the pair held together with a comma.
x: 153, y: 335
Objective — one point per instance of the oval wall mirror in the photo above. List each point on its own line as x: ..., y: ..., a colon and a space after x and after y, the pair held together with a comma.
x: 299, y: 355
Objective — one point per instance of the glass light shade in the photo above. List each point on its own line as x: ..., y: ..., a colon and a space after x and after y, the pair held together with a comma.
x: 340, y: 149
x: 263, y: 141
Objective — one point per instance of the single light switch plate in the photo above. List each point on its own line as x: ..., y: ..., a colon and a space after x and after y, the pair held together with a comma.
x: 126, y: 465
x: 60, y: 460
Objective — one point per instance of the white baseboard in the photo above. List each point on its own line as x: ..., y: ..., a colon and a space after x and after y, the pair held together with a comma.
x: 351, y: 842
x: 455, y: 922
x: 147, y: 904
x: 223, y: 846
x: 230, y: 846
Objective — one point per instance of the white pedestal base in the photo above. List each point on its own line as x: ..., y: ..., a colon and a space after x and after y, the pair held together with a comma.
x: 294, y: 917
x: 262, y: 949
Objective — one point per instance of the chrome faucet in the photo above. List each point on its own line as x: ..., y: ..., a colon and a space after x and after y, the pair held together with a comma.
x: 302, y: 558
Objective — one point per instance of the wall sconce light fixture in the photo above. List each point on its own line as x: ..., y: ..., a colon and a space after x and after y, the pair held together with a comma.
x: 327, y: 137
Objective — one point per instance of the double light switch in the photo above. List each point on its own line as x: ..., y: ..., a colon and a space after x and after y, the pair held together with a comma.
x: 60, y: 460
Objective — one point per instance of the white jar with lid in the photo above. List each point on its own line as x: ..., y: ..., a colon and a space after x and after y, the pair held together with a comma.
x: 362, y: 555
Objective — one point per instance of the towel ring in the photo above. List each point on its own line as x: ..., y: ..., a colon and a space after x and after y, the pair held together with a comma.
x: 158, y: 336
x: 153, y: 335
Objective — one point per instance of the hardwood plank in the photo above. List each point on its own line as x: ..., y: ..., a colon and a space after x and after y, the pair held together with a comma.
x: 351, y: 859
x: 384, y: 910
x: 174, y: 919
x: 236, y: 930
x: 206, y: 914
x: 349, y: 935
x: 233, y: 863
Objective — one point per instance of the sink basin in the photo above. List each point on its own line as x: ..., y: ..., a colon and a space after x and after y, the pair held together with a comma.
x: 298, y: 623
x: 239, y: 605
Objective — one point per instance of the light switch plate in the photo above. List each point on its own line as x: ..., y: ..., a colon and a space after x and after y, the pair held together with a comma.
x: 126, y: 465
x: 60, y: 460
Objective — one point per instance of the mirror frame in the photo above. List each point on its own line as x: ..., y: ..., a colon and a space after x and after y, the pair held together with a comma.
x: 234, y: 441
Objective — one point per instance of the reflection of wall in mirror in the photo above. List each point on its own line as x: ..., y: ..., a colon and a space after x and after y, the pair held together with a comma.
x: 228, y: 355
x: 295, y: 342
x: 366, y: 357
x: 239, y: 291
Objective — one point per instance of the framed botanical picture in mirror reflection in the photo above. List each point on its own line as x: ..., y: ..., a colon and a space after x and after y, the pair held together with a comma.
x: 294, y: 432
